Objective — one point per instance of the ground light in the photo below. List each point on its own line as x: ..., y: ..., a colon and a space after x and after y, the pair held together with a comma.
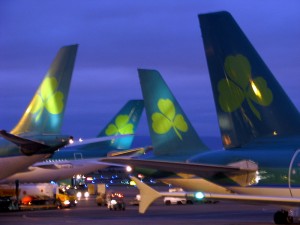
x: 199, y: 195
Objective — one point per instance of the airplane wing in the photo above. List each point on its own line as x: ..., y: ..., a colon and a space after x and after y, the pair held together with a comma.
x: 130, y: 152
x: 149, y: 195
x: 243, y: 172
x: 59, y: 164
x: 28, y: 147
x: 202, y: 170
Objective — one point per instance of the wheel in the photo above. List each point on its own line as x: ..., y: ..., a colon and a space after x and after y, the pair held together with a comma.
x: 282, y: 217
x: 179, y: 203
x: 190, y: 202
x: 168, y: 202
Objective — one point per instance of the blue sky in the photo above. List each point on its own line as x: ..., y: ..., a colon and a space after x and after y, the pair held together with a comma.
x: 117, y: 37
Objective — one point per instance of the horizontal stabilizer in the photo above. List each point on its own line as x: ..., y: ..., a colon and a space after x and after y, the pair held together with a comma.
x: 28, y: 147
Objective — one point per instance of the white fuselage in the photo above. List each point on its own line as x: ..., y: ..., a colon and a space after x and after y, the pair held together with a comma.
x: 13, y: 164
x: 56, y: 170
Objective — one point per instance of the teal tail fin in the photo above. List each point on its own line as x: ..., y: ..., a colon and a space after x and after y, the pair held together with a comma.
x: 171, y: 132
x: 250, y: 102
x: 124, y: 122
x: 45, y: 112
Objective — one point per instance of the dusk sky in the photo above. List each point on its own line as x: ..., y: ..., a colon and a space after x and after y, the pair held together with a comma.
x: 117, y: 37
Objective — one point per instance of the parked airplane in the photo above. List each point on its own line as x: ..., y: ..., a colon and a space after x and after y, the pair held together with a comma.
x: 260, y: 128
x: 37, y: 135
x: 83, y: 159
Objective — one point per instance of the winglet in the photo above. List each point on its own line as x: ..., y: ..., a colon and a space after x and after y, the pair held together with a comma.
x: 148, y: 194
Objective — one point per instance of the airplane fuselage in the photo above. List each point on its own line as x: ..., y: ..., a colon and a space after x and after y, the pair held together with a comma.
x: 55, y: 170
x: 63, y: 164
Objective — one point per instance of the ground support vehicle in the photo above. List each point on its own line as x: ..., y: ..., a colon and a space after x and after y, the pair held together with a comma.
x: 37, y: 196
x: 115, y: 201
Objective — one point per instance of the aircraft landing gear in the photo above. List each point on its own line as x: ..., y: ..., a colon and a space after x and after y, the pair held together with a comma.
x: 282, y: 217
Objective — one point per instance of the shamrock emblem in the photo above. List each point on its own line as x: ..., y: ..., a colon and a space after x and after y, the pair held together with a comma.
x: 167, y: 118
x: 242, y: 87
x: 48, y: 98
x: 121, y: 126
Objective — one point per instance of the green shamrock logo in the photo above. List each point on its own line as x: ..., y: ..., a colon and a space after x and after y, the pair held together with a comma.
x: 242, y: 86
x: 167, y: 118
x: 48, y: 98
x: 121, y: 126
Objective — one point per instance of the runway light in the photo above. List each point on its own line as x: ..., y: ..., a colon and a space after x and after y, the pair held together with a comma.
x: 199, y: 195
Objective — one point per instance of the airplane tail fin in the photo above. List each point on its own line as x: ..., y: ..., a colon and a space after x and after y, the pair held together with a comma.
x: 124, y: 122
x: 250, y: 102
x: 171, y: 132
x: 45, y: 112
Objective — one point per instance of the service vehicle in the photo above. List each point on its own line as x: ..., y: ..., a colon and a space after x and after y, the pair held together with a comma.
x: 177, y: 200
x: 115, y: 201
x: 40, y: 195
x: 101, y: 195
